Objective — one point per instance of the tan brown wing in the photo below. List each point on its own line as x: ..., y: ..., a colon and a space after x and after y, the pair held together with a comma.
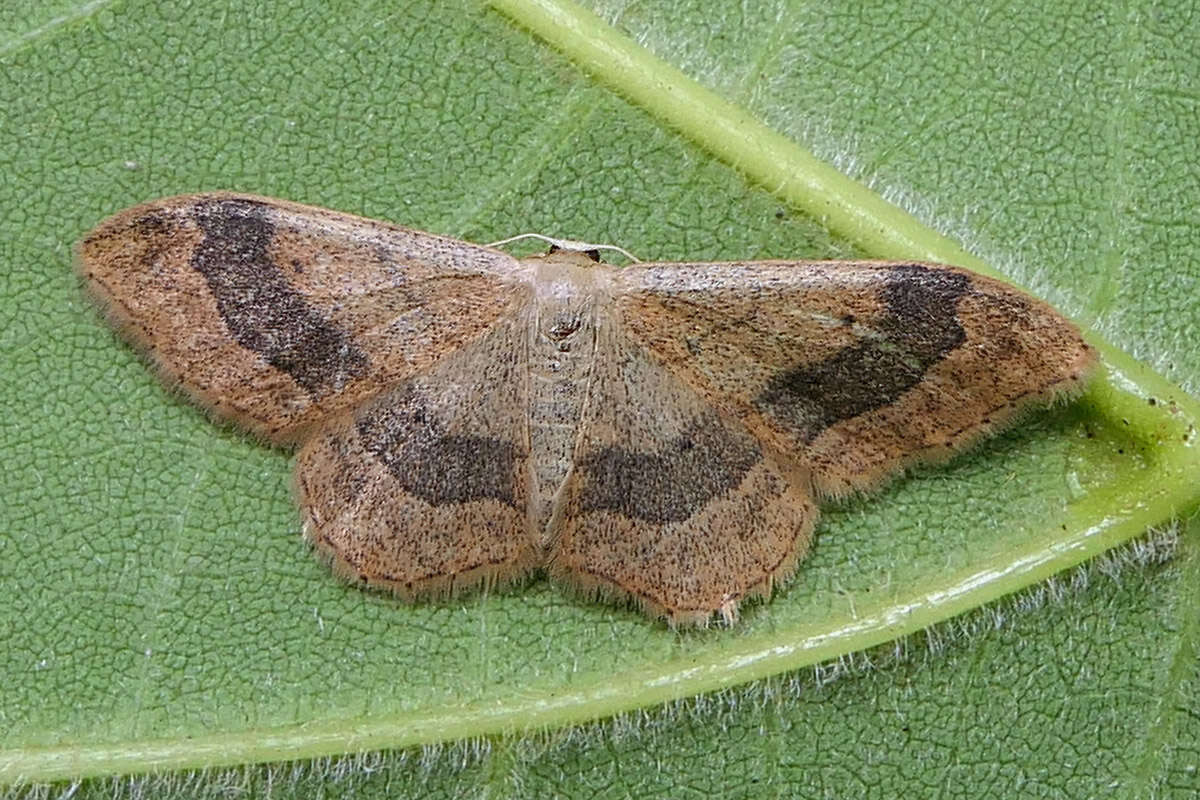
x: 276, y: 315
x: 853, y: 370
x: 425, y: 489
x: 670, y: 502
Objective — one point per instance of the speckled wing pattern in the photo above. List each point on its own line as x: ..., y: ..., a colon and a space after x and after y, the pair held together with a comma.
x: 425, y: 489
x: 853, y: 369
x: 730, y: 397
x: 662, y: 433
x: 394, y: 356
x: 277, y: 315
x: 671, y: 501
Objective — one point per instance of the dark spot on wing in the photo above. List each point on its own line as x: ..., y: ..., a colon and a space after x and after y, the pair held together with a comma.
x: 152, y: 224
x: 404, y: 434
x: 920, y: 329
x: 260, y: 307
x: 672, y: 484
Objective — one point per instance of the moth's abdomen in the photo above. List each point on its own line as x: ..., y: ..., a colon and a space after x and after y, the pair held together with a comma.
x: 562, y: 352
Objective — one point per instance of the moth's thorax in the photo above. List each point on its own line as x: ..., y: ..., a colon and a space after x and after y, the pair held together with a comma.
x: 570, y: 292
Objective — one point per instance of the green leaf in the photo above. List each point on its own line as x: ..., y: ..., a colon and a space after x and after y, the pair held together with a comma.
x: 160, y: 610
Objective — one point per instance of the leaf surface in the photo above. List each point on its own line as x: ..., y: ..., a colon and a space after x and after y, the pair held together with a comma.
x: 160, y: 610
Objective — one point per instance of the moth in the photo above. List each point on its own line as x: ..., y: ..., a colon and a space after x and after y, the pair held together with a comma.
x: 662, y: 432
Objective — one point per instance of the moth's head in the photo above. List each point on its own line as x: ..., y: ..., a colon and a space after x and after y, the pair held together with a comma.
x: 569, y: 256
x: 568, y: 251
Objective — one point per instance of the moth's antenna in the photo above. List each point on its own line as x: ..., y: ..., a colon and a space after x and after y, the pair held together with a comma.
x: 567, y: 244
